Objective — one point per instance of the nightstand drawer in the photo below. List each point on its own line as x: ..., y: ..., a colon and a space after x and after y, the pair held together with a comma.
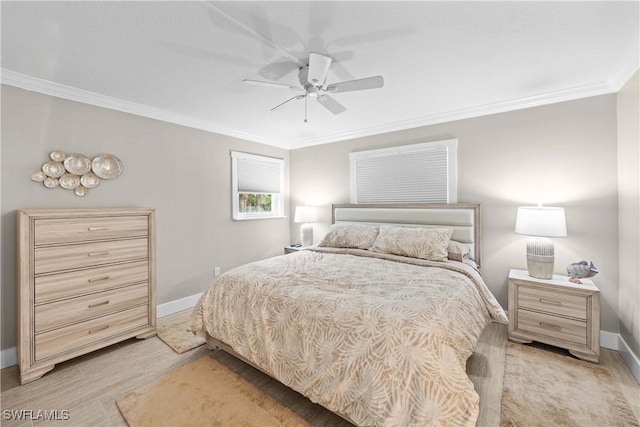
x: 569, y: 330
x: 64, y: 339
x: 57, y: 258
x: 67, y: 230
x: 75, y: 310
x: 552, y: 301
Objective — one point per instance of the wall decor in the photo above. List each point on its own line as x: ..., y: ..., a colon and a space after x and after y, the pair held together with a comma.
x: 106, y: 166
x: 77, y: 172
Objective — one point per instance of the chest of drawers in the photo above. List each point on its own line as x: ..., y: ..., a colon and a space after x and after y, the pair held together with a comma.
x: 555, y: 312
x: 85, y: 280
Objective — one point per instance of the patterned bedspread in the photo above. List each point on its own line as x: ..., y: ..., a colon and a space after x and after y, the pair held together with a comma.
x: 379, y: 338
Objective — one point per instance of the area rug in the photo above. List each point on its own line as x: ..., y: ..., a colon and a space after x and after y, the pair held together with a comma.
x: 543, y: 388
x: 204, y: 393
x: 174, y: 331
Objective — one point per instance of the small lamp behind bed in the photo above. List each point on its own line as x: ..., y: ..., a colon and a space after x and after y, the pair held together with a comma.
x: 543, y: 222
x: 306, y: 215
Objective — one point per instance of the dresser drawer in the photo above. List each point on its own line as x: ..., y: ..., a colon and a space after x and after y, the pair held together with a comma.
x: 66, y: 312
x: 50, y: 259
x: 569, y: 330
x: 68, y: 230
x: 82, y: 282
x: 57, y: 341
x: 551, y: 301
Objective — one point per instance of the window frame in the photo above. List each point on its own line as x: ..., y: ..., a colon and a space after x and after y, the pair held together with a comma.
x: 277, y: 198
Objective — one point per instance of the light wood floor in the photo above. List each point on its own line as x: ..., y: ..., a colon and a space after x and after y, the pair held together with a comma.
x: 88, y: 386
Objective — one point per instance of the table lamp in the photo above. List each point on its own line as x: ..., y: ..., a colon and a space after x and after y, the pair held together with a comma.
x: 306, y: 215
x: 541, y: 222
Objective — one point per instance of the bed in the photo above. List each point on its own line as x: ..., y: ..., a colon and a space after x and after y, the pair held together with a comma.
x: 376, y: 324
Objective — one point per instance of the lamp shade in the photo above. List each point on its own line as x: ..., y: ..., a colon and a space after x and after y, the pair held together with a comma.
x: 541, y: 221
x: 306, y: 214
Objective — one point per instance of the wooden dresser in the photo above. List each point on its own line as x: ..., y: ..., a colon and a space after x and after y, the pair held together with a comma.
x: 85, y: 280
x: 555, y: 312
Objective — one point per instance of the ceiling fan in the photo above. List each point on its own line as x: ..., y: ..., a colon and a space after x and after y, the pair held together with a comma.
x: 312, y: 79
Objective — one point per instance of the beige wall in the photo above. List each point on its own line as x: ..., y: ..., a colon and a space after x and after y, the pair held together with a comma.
x: 629, y: 211
x: 184, y: 173
x: 562, y: 154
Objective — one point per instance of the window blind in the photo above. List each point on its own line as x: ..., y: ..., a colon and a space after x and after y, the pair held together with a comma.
x: 258, y: 174
x: 419, y: 173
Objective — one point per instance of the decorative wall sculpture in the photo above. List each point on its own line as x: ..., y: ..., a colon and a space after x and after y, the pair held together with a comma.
x: 77, y: 172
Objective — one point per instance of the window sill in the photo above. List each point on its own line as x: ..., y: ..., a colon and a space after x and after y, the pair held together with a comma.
x: 259, y: 217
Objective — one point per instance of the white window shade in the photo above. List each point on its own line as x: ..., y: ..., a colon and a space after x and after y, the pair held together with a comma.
x: 419, y: 173
x: 257, y: 186
x: 259, y: 175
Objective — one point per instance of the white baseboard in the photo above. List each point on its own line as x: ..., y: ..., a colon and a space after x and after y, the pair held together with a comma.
x: 609, y: 340
x: 178, y: 305
x: 632, y: 359
x: 9, y: 356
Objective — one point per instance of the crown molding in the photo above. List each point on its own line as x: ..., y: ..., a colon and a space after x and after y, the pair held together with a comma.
x: 468, y: 113
x: 23, y: 81
x: 47, y: 87
x: 621, y: 76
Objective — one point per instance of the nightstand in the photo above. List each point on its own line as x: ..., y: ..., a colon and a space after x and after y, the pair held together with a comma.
x: 555, y: 312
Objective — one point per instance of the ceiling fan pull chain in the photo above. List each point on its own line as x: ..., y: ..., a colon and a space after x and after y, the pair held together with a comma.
x: 305, y: 109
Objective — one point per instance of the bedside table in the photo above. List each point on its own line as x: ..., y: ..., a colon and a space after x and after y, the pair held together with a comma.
x: 555, y: 312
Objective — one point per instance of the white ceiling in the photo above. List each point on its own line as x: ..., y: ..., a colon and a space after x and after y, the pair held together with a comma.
x: 184, y: 61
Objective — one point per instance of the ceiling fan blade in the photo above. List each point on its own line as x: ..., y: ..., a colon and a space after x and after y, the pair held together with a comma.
x: 360, y: 84
x: 290, y: 99
x: 270, y: 84
x: 331, y: 104
x: 318, y: 68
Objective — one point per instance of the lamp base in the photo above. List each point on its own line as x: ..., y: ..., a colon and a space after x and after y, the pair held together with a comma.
x: 306, y: 234
x: 540, y: 259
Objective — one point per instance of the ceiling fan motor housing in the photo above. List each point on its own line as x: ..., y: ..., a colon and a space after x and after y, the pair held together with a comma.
x: 303, y: 78
x: 311, y: 89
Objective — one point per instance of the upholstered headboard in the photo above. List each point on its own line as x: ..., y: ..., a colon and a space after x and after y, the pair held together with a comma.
x: 464, y: 218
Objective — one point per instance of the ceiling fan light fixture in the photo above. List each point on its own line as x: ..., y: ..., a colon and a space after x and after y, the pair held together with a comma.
x: 312, y: 91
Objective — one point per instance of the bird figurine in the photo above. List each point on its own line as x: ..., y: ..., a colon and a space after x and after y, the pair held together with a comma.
x: 581, y: 270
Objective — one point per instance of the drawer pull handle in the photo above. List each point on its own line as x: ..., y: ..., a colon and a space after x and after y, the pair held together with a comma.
x: 98, y: 228
x: 98, y: 253
x: 98, y: 329
x: 547, y: 301
x: 99, y: 304
x: 550, y: 326
x: 97, y: 279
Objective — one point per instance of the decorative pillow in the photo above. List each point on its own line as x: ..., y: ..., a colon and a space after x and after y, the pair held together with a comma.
x: 415, y: 242
x: 358, y: 236
x: 458, y: 251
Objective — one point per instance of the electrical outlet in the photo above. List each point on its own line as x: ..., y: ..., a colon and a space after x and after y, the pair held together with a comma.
x: 216, y: 271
